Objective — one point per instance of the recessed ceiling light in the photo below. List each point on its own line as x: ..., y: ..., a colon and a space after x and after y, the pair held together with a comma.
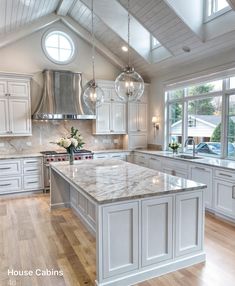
x: 124, y: 48
x: 186, y: 49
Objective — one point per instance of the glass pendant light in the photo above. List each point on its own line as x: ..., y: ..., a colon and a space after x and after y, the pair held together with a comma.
x: 129, y: 85
x: 93, y: 95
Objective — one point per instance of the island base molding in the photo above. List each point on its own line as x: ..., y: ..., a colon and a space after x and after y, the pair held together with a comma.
x: 155, y: 272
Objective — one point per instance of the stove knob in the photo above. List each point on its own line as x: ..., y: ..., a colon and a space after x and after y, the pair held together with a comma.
x: 59, y: 159
x: 52, y: 159
x: 90, y: 157
x: 86, y: 157
x: 63, y: 159
x: 48, y: 160
x: 79, y: 158
x: 76, y: 158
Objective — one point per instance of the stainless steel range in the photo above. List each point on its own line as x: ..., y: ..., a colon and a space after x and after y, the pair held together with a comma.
x: 54, y: 156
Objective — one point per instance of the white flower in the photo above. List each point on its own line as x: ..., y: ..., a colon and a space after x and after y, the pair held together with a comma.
x: 66, y: 143
x: 61, y: 142
x: 74, y: 142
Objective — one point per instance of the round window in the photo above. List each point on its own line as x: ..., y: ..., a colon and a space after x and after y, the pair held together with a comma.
x: 58, y: 47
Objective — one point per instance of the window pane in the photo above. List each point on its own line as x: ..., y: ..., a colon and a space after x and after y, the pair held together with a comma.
x: 176, y: 94
x: 175, y: 122
x: 64, y: 43
x: 222, y: 4
x: 231, y: 127
x: 52, y: 41
x: 53, y: 53
x: 204, y: 125
x: 205, y: 88
x: 65, y: 55
x: 232, y: 82
x: 209, y: 10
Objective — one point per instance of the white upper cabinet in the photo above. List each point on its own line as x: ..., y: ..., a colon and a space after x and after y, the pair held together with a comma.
x: 137, y: 117
x: 15, y: 108
x: 118, y: 117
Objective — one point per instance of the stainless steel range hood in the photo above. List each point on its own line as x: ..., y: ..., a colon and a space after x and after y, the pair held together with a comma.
x: 62, y: 97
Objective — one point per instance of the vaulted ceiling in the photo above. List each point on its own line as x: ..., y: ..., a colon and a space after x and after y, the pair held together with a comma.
x: 18, y: 18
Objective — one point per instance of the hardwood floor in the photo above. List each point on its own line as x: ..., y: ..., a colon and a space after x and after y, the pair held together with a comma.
x: 32, y: 237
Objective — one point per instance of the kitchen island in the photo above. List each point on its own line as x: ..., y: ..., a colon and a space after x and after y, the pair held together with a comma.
x: 146, y: 223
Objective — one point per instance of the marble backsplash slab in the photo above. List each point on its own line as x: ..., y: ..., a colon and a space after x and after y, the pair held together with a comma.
x: 45, y: 132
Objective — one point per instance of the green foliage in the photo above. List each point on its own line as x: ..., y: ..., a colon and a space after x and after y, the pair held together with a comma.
x: 216, y: 136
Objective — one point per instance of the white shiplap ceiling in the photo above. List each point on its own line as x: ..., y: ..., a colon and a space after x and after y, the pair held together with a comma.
x: 155, y: 15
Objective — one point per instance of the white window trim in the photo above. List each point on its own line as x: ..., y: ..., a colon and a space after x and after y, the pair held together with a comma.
x: 68, y: 36
x: 225, y: 93
x: 156, y: 46
x: 215, y: 14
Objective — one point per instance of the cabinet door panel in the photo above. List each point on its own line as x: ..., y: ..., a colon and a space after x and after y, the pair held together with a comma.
x: 188, y: 223
x: 225, y: 197
x: 155, y: 163
x: 119, y: 118
x: 137, y: 141
x: 203, y: 175
x: 18, y: 89
x: 4, y: 122
x: 120, y: 238
x: 157, y: 230
x: 103, y: 118
x: 133, y: 117
x: 142, y: 117
x: 19, y: 114
x: 3, y: 88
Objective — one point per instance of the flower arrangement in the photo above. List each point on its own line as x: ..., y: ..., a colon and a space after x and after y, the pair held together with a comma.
x: 73, y: 142
x: 174, y: 146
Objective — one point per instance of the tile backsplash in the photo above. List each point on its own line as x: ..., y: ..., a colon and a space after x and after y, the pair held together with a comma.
x: 44, y: 133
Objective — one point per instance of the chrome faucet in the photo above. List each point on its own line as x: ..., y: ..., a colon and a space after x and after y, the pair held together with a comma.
x: 194, y: 145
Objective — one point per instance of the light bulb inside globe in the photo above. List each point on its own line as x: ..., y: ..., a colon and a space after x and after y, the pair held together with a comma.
x: 93, y: 96
x: 129, y: 85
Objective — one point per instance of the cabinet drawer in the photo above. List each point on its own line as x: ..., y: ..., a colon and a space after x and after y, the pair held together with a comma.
x: 32, y: 170
x: 12, y: 167
x: 33, y: 182
x: 32, y: 162
x: 224, y: 174
x: 118, y: 156
x: 175, y: 164
x: 101, y: 156
x: 10, y: 185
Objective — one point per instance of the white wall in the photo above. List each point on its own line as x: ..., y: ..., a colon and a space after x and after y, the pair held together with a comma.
x: 203, y: 67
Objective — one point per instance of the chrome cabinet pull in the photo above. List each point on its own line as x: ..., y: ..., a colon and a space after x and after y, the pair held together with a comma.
x: 154, y: 159
x: 32, y: 170
x: 233, y: 192
x: 34, y: 182
x: 225, y: 175
x: 6, y: 168
x: 31, y: 162
x: 198, y: 168
x: 5, y: 185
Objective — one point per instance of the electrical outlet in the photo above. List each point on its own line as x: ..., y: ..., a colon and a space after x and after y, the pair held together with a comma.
x: 116, y: 141
x: 29, y: 143
x: 2, y: 145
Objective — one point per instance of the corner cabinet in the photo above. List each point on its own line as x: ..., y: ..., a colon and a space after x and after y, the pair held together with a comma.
x: 15, y: 107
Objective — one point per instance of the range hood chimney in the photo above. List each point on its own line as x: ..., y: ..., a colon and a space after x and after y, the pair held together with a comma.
x: 62, y: 97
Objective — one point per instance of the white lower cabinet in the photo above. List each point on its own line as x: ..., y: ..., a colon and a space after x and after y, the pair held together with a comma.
x: 20, y: 175
x: 157, y: 230
x: 116, y: 155
x: 225, y: 197
x: 120, y: 239
x: 203, y: 175
x: 175, y: 168
x: 155, y: 163
x: 189, y: 227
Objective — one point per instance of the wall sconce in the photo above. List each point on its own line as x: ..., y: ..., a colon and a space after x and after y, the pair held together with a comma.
x: 155, y: 122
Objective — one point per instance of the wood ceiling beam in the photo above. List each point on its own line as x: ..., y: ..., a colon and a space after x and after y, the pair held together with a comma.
x: 28, y: 29
x: 85, y: 35
x: 64, y: 6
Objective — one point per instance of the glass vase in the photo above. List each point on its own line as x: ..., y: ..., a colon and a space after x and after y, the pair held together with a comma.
x: 71, y: 158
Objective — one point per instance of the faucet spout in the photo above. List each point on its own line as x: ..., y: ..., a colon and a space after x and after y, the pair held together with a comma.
x: 194, y: 145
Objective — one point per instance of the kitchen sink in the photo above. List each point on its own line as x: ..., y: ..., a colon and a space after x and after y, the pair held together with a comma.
x: 190, y: 157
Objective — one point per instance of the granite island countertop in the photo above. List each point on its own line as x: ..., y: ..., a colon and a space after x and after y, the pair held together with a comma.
x: 110, y: 180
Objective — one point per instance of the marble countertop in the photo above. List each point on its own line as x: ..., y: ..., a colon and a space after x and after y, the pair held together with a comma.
x: 111, y: 151
x: 110, y: 180
x: 210, y: 161
x: 19, y: 155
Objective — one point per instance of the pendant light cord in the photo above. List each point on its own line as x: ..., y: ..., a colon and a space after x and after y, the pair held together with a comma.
x: 93, y: 39
x: 128, y: 33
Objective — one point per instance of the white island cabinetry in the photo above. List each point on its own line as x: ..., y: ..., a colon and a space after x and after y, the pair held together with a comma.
x: 140, y: 218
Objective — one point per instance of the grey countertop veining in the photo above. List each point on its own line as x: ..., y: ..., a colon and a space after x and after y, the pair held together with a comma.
x: 19, y: 155
x: 109, y: 180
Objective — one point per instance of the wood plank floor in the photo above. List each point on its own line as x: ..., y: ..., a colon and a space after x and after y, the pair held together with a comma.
x: 32, y: 237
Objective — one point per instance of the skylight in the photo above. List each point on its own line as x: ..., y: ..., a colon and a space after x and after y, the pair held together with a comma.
x: 215, y: 8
